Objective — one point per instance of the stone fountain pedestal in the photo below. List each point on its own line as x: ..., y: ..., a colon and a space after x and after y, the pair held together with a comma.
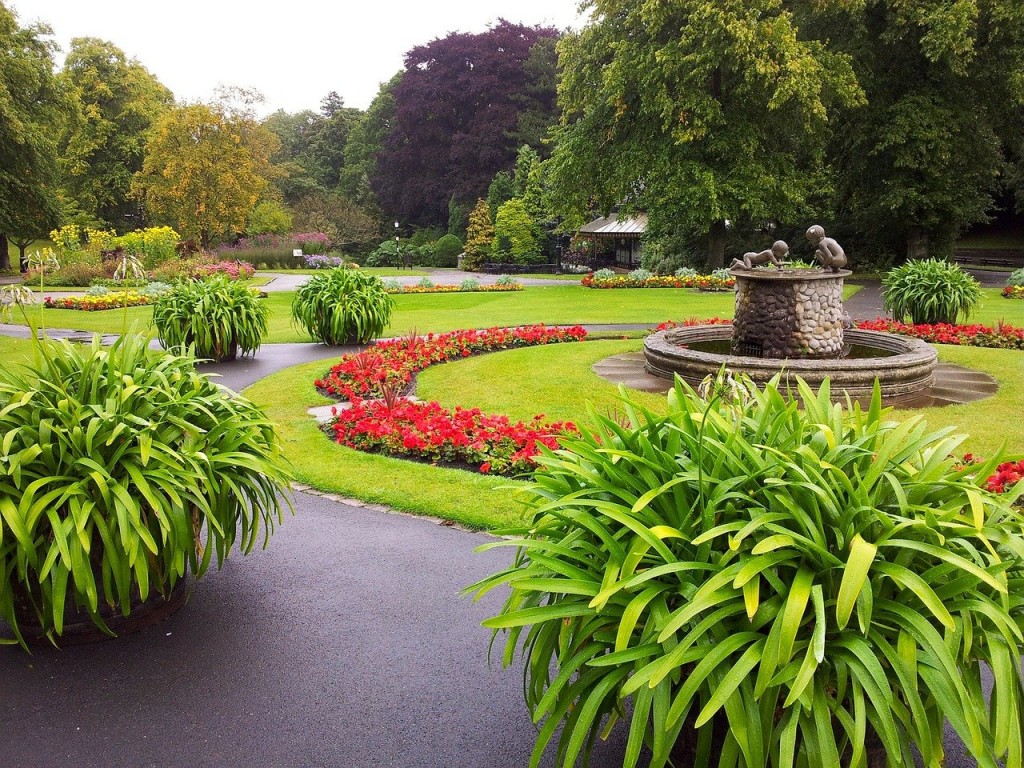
x: 789, y: 313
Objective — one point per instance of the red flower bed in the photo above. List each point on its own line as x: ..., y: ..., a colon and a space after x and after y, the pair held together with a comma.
x: 1013, y: 292
x: 429, y: 432
x: 1001, y: 337
x: 236, y: 270
x: 395, y: 361
x: 1007, y: 475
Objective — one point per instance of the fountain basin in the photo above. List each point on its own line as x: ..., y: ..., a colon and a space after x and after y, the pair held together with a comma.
x: 904, y: 367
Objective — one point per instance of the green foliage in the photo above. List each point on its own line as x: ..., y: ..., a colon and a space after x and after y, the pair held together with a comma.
x: 152, y: 246
x: 1016, y: 277
x: 343, y: 306
x: 215, y: 316
x: 269, y: 218
x: 118, y: 99
x: 501, y: 190
x: 34, y: 106
x: 123, y: 470
x: 775, y: 582
x: 515, y: 234
x: 446, y: 251
x: 457, y: 218
x: 930, y: 291
x: 387, y: 254
x: 696, y: 111
x: 479, y: 236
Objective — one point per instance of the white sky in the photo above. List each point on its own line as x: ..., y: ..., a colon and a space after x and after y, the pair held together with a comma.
x: 294, y: 52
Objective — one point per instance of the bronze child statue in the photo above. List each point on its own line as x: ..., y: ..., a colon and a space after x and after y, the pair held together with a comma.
x: 827, y: 251
x: 773, y: 255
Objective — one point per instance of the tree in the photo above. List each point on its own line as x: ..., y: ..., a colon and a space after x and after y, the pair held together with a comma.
x: 119, y: 100
x: 456, y: 113
x: 365, y: 142
x: 343, y: 221
x: 205, y: 168
x: 501, y: 189
x: 516, y: 230
x: 537, y: 103
x: 33, y: 109
x: 269, y: 218
x: 696, y: 111
x: 945, y: 86
x: 297, y: 169
x: 479, y: 236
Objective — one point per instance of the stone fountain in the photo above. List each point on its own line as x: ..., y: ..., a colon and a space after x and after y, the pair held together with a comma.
x: 791, y: 322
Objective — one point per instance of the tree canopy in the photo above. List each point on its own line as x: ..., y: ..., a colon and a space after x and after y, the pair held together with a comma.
x: 118, y: 101
x: 205, y: 169
x: 457, y: 113
x: 925, y: 158
x: 33, y: 109
x: 697, y: 111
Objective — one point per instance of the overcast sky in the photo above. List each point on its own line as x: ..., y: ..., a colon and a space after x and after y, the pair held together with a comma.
x: 294, y: 53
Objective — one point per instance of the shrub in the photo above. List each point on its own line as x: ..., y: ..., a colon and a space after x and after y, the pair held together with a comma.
x: 235, y: 270
x: 216, y: 316
x: 77, y: 275
x: 269, y: 218
x: 425, y: 282
x: 343, y: 306
x: 515, y: 234
x: 446, y: 251
x: 604, y: 274
x: 506, y: 280
x: 930, y: 291
x: 774, y: 582
x: 640, y: 275
x: 384, y: 255
x: 161, y: 472
x: 685, y: 272
x: 1016, y: 277
x: 469, y: 284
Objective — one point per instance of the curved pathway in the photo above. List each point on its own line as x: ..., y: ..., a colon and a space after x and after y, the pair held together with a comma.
x: 345, y: 644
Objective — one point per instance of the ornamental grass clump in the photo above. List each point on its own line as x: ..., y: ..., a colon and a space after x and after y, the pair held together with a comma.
x: 215, y: 316
x: 343, y: 306
x: 930, y: 291
x: 121, y: 470
x: 771, y: 583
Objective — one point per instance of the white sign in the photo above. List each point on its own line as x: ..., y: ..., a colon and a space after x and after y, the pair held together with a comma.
x: 297, y: 253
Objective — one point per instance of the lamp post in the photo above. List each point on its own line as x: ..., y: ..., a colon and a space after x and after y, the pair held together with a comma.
x: 398, y: 248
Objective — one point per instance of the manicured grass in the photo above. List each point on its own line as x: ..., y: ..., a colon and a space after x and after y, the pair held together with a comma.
x: 557, y: 381
x: 475, y: 500
x: 14, y: 351
x: 994, y: 308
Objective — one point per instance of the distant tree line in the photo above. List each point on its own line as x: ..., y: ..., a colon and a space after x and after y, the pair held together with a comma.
x: 898, y: 125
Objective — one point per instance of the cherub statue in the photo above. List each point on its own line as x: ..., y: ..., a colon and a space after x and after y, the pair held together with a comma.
x: 773, y: 255
x: 827, y: 251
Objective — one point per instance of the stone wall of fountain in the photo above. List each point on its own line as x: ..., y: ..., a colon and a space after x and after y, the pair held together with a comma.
x: 788, y: 313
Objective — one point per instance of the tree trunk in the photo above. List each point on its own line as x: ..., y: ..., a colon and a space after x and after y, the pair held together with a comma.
x: 716, y: 245
x: 917, y: 243
x: 22, y: 258
x: 5, y: 257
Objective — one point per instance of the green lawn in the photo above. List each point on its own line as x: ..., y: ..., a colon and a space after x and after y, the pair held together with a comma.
x: 994, y: 308
x: 557, y: 381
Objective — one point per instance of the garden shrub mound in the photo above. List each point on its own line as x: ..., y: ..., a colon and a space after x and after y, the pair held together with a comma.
x: 394, y: 362
x: 463, y: 437
x: 771, y: 582
x: 121, y: 470
x: 930, y: 291
x: 342, y: 306
x: 215, y: 316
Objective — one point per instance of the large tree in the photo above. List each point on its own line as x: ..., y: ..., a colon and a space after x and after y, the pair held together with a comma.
x: 945, y: 88
x: 364, y: 144
x: 699, y: 111
x: 206, y: 167
x: 119, y: 100
x: 33, y: 108
x: 457, y: 114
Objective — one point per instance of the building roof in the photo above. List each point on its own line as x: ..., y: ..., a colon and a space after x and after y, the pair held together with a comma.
x: 613, y: 226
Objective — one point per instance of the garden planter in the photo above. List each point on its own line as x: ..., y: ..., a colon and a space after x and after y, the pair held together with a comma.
x: 79, y: 627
